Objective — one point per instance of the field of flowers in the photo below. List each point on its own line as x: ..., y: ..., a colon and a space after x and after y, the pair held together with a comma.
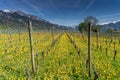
x: 104, y: 64
x: 59, y: 62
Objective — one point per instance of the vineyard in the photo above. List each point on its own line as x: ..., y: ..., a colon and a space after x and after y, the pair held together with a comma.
x: 58, y: 56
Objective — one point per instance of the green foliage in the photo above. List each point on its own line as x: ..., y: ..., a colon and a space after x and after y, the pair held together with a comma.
x: 84, y: 25
x: 96, y: 28
x: 90, y: 19
x: 3, y: 27
x: 62, y: 61
x: 109, y: 30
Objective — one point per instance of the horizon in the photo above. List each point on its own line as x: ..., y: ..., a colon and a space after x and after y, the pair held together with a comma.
x: 67, y: 13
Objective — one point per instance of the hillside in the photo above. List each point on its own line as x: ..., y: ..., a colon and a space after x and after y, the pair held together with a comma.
x: 111, y: 25
x: 18, y: 20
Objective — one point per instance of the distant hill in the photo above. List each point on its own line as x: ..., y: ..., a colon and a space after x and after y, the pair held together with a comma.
x: 111, y: 25
x: 18, y: 20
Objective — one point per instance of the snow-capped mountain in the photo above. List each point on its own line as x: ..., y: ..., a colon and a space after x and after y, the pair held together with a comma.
x: 109, y: 22
x: 17, y: 18
x: 111, y: 25
x: 8, y: 11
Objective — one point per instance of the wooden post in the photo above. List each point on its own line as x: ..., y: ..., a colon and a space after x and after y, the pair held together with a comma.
x: 52, y: 34
x: 114, y: 45
x: 96, y: 76
x: 97, y: 36
x: 89, y: 49
x: 106, y: 51
x: 10, y: 39
x: 28, y: 74
x: 31, y: 45
x: 82, y: 34
x: 37, y: 63
x: 5, y: 47
x: 19, y: 37
x: 100, y: 47
x: 115, y: 52
x: 111, y: 37
x: 74, y: 35
x: 43, y: 56
x: 106, y: 46
x: 19, y: 34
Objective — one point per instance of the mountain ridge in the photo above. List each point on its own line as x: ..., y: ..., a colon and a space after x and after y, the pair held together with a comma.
x: 115, y: 25
x: 18, y: 20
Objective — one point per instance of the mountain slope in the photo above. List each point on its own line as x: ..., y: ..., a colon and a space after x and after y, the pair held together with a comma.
x: 18, y: 20
x: 112, y: 25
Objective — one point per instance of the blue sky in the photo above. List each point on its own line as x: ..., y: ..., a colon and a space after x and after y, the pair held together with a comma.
x: 67, y: 12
